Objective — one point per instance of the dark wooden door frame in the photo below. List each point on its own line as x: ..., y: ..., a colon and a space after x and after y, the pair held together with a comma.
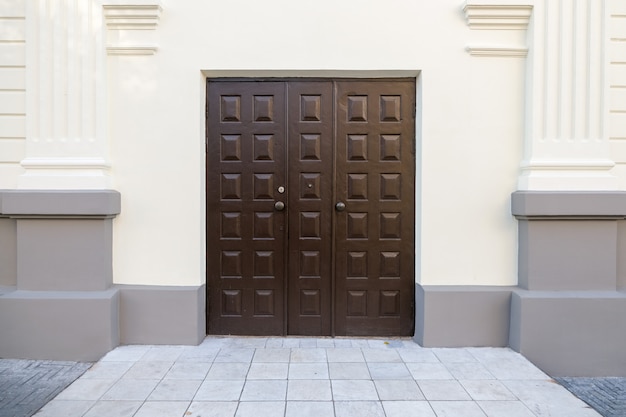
x: 303, y: 97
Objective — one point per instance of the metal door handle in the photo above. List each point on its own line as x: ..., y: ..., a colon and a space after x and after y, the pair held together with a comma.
x: 340, y: 206
x: 279, y: 206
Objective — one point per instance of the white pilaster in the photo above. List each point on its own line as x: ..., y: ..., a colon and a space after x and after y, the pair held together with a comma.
x: 566, y: 146
x: 67, y: 145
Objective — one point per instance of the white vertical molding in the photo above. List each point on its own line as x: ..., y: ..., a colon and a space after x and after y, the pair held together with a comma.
x: 566, y: 147
x: 66, y: 93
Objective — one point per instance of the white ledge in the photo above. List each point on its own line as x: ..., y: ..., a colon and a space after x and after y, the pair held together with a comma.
x: 65, y: 163
x: 568, y: 165
x: 497, y: 16
x: 132, y: 50
x: 489, y: 51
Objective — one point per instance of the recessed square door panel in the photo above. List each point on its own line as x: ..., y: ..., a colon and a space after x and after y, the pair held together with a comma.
x: 281, y: 154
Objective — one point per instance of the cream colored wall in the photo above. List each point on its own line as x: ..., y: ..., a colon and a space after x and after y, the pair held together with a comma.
x: 114, y: 93
x: 617, y: 88
x: 471, y: 123
x: 12, y: 90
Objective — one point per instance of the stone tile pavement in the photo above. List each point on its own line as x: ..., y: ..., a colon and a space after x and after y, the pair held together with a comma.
x: 605, y: 395
x: 301, y: 377
x: 26, y: 385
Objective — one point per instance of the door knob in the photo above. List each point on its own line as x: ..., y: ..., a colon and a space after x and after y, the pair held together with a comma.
x: 340, y: 206
x: 279, y: 206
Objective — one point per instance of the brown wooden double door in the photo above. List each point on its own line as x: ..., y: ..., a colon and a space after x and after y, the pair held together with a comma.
x: 310, y: 207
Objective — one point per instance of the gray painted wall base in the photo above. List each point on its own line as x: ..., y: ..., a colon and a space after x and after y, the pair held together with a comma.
x: 162, y: 315
x: 56, y: 325
x: 8, y: 252
x: 571, y: 333
x: 455, y: 316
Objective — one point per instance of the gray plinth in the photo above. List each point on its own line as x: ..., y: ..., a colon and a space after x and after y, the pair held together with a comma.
x: 162, y: 314
x: 59, y: 304
x: 58, y: 325
x: 571, y: 333
x: 567, y: 315
x: 455, y: 316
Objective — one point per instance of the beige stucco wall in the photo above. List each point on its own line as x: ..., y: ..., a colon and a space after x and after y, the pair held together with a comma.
x: 469, y: 122
x: 133, y: 115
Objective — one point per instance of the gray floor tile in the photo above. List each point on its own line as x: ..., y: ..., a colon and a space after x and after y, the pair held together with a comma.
x: 515, y: 368
x: 453, y: 355
x: 345, y: 355
x: 291, y: 342
x: 265, y: 390
x: 248, y: 342
x: 126, y: 353
x: 131, y: 389
x: 381, y: 355
x: 383, y: 343
x: 340, y: 370
x: 257, y: 409
x: 162, y: 409
x: 442, y: 390
x: 457, y: 408
x: 354, y: 390
x: 325, y: 342
x: 488, y: 390
x: 310, y: 409
x: 149, y: 370
x: 469, y: 370
x: 268, y: 371
x: 359, y: 343
x: 381, y: 370
x: 418, y: 355
x: 424, y: 371
x: 309, y: 390
x: 212, y: 409
x: 486, y: 354
x: 65, y: 408
x: 408, y: 409
x: 272, y: 355
x: 343, y: 343
x: 107, y: 370
x: 308, y: 355
x: 175, y: 390
x: 395, y: 390
x: 505, y: 409
x: 188, y: 370
x: 308, y: 370
x: 220, y: 390
x: 114, y: 408
x: 308, y: 342
x: 228, y: 371
x: 196, y: 354
x: 86, y: 389
x: 274, y: 342
x: 163, y: 353
x: 359, y: 408
x: 547, y: 398
x: 215, y: 342
x: 239, y: 355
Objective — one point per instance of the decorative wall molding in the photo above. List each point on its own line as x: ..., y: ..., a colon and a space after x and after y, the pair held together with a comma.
x: 566, y: 165
x: 66, y: 97
x: 566, y: 99
x: 131, y: 26
x: 490, y: 51
x: 65, y: 163
x: 497, y: 16
x: 132, y: 16
x: 489, y: 17
x: 132, y: 50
